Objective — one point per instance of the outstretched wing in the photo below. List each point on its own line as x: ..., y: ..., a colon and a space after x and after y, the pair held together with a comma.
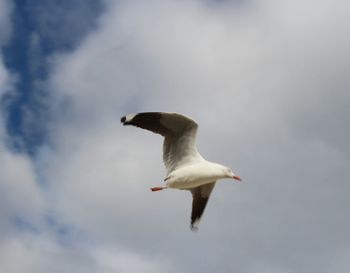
x: 200, y: 196
x: 179, y: 133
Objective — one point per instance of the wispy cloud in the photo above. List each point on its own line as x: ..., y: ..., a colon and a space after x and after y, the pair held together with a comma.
x: 5, y: 25
x: 39, y: 30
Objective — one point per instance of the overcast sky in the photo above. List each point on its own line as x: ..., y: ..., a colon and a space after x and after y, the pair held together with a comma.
x: 267, y: 81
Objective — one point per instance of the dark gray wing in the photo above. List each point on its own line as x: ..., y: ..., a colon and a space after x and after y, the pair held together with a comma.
x: 160, y: 122
x: 179, y: 133
x: 149, y: 121
x: 200, y: 196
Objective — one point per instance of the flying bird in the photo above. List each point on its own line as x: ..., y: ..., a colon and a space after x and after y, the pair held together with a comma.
x: 186, y: 168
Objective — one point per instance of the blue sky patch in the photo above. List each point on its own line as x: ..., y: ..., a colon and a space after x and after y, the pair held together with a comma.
x: 39, y: 30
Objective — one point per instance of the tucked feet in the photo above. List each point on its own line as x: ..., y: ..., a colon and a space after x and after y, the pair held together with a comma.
x: 158, y: 188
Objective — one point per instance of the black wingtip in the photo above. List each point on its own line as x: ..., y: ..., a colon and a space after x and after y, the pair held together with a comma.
x: 194, y: 228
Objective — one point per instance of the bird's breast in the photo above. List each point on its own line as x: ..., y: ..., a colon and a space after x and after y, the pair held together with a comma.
x: 192, y: 176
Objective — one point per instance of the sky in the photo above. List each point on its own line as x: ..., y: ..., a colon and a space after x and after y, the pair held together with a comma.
x: 267, y: 81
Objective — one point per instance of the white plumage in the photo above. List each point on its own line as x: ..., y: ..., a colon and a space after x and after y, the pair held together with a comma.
x: 186, y: 168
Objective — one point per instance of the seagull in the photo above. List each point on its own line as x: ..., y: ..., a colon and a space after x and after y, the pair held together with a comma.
x: 186, y: 169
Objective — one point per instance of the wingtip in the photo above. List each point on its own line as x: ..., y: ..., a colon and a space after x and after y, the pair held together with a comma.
x: 194, y: 228
x: 194, y: 225
x: 126, y: 120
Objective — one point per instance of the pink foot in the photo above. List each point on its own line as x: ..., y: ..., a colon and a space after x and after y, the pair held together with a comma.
x: 157, y: 188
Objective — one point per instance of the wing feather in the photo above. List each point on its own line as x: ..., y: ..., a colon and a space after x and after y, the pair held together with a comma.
x: 200, y: 197
x: 179, y: 133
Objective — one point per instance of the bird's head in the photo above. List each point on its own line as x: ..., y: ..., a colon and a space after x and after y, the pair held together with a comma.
x: 230, y: 174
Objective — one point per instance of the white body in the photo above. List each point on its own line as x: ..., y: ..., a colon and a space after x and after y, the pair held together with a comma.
x: 186, y: 168
x: 194, y: 175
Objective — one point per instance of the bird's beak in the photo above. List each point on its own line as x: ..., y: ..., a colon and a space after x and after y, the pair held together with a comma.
x: 237, y: 177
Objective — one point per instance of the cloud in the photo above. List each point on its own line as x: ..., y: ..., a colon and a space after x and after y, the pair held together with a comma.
x: 5, y: 31
x: 42, y: 254
x: 39, y: 30
x: 22, y: 203
x: 32, y: 238
x: 111, y: 260
x: 51, y: 20
x: 4, y: 77
x: 5, y: 25
x: 267, y: 82
x: 268, y: 77
x: 17, y: 180
x: 20, y: 196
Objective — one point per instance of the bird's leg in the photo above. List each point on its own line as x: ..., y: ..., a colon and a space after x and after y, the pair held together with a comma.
x: 158, y: 188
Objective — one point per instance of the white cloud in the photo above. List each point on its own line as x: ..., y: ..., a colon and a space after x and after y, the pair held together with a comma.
x: 41, y: 254
x: 269, y: 76
x: 21, y: 200
x: 4, y: 78
x: 19, y: 193
x: 5, y: 25
x: 110, y: 260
